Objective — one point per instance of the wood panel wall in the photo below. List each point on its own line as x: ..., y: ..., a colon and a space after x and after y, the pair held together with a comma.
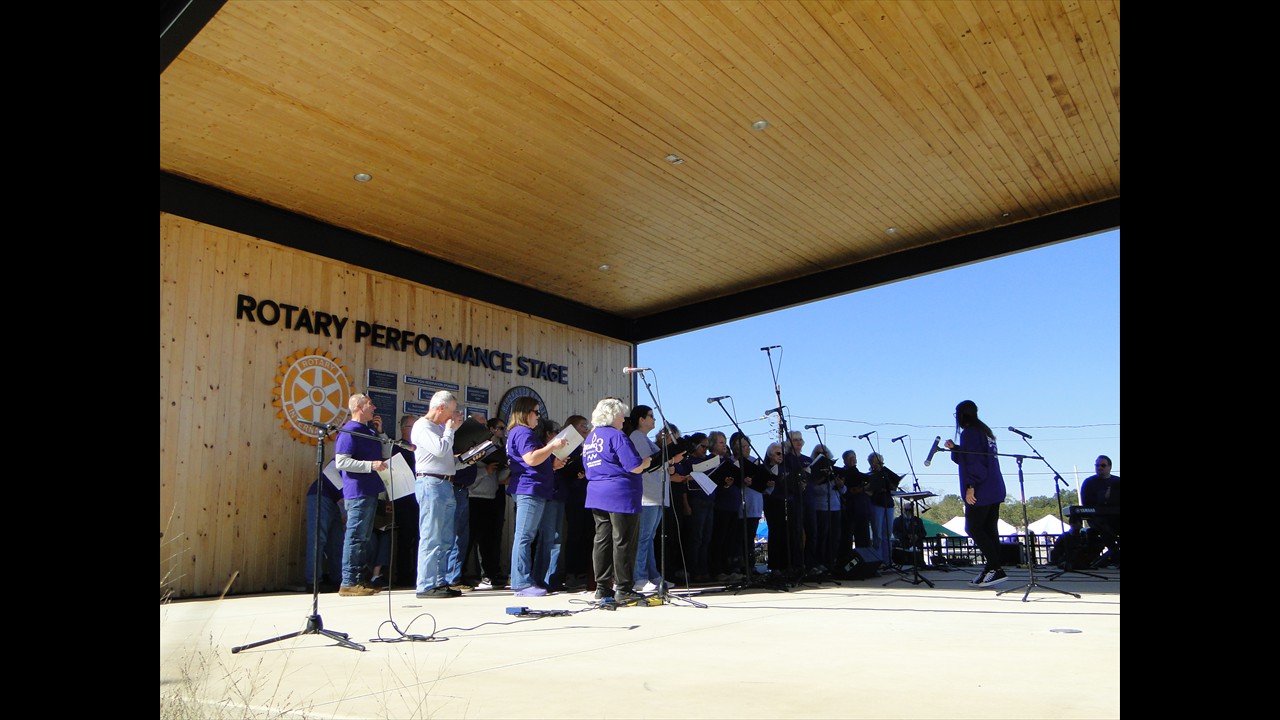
x: 232, y: 478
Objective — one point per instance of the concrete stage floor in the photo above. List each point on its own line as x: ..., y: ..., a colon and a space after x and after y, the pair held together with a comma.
x: 854, y: 650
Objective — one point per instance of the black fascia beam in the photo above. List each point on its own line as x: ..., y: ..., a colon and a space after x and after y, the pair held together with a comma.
x: 196, y: 201
x: 1038, y: 232
x: 180, y: 22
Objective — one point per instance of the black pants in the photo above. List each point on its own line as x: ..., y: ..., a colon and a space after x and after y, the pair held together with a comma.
x: 980, y: 523
x: 614, y: 550
x: 486, y: 518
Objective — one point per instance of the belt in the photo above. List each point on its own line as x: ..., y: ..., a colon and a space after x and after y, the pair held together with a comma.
x: 442, y: 477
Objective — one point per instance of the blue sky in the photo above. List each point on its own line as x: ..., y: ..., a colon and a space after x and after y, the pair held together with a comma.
x: 1032, y: 338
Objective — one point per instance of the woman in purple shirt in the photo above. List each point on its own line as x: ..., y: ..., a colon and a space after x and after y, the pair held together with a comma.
x: 532, y: 483
x: 982, y: 486
x: 614, y: 486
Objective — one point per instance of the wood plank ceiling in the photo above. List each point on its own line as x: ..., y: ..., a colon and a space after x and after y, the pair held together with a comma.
x: 528, y: 140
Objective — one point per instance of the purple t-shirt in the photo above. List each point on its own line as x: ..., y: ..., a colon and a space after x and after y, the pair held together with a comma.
x: 539, y: 480
x: 357, y: 485
x: 607, y: 456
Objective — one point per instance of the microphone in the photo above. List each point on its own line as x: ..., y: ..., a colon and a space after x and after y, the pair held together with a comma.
x: 897, y: 438
x: 322, y: 426
x: 864, y: 436
x: 766, y: 414
x: 810, y: 427
x: 1016, y: 430
x: 629, y: 370
x: 932, y: 451
x: 771, y: 347
x: 717, y: 399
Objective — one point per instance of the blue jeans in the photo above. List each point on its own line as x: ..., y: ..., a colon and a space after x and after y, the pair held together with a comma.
x: 646, y: 558
x: 436, y: 504
x: 546, y: 563
x: 529, y: 512
x: 356, y: 544
x: 330, y: 529
x: 462, y: 532
x: 882, y: 531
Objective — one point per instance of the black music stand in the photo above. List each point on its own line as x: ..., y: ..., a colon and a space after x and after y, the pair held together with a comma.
x: 917, y: 558
x: 315, y: 625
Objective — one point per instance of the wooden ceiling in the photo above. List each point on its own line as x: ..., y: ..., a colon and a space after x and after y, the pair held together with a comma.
x: 528, y: 140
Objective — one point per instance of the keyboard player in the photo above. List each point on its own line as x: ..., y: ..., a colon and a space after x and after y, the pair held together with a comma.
x: 1103, y: 490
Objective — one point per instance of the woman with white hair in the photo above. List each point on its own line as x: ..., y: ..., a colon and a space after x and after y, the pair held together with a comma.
x: 614, y: 487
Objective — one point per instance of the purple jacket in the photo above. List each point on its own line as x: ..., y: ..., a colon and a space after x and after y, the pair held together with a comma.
x: 981, y: 470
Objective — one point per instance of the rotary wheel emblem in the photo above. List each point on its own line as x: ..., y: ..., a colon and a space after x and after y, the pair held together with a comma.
x: 310, y: 385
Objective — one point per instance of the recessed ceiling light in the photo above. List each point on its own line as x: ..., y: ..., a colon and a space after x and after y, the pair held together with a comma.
x: 363, y: 177
x: 604, y: 268
x: 675, y: 159
x: 891, y: 231
x: 759, y: 125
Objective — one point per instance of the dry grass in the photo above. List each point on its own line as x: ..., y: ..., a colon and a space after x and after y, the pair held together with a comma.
x: 208, y: 689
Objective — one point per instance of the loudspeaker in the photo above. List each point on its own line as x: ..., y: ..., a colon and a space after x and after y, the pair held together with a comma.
x: 863, y: 564
x: 1012, y: 554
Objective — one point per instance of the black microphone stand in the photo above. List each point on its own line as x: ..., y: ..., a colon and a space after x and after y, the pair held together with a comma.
x: 1068, y: 567
x: 664, y: 588
x: 750, y: 578
x: 315, y: 624
x: 1031, y: 583
x: 791, y: 575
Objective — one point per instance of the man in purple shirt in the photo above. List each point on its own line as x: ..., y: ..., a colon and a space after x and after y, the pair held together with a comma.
x: 359, y: 459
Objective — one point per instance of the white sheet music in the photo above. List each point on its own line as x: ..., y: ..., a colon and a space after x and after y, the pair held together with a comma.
x: 707, y: 484
x: 711, y: 463
x: 399, y: 479
x: 572, y: 440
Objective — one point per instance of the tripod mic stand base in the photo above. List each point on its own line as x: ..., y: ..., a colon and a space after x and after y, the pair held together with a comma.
x: 912, y: 578
x: 1032, y: 585
x: 315, y: 626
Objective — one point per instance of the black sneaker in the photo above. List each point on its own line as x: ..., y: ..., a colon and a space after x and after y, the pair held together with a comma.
x: 438, y: 592
x: 624, y: 595
x: 995, y: 577
x: 977, y: 582
x: 602, y: 594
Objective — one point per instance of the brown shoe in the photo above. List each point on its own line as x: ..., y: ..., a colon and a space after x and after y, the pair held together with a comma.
x: 376, y: 589
x: 356, y: 591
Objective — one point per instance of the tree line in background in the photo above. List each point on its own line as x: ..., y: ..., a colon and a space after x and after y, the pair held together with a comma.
x: 940, y: 511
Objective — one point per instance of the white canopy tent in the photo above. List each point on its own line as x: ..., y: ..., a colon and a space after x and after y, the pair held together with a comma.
x: 1049, y: 524
x: 956, y: 524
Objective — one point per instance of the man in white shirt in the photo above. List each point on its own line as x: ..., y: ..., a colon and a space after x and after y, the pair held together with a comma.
x: 435, y: 465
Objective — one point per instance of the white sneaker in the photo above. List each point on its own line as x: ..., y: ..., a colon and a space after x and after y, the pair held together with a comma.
x: 484, y: 584
x: 648, y: 587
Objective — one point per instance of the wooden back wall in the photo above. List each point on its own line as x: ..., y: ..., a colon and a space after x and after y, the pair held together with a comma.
x: 232, y: 477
